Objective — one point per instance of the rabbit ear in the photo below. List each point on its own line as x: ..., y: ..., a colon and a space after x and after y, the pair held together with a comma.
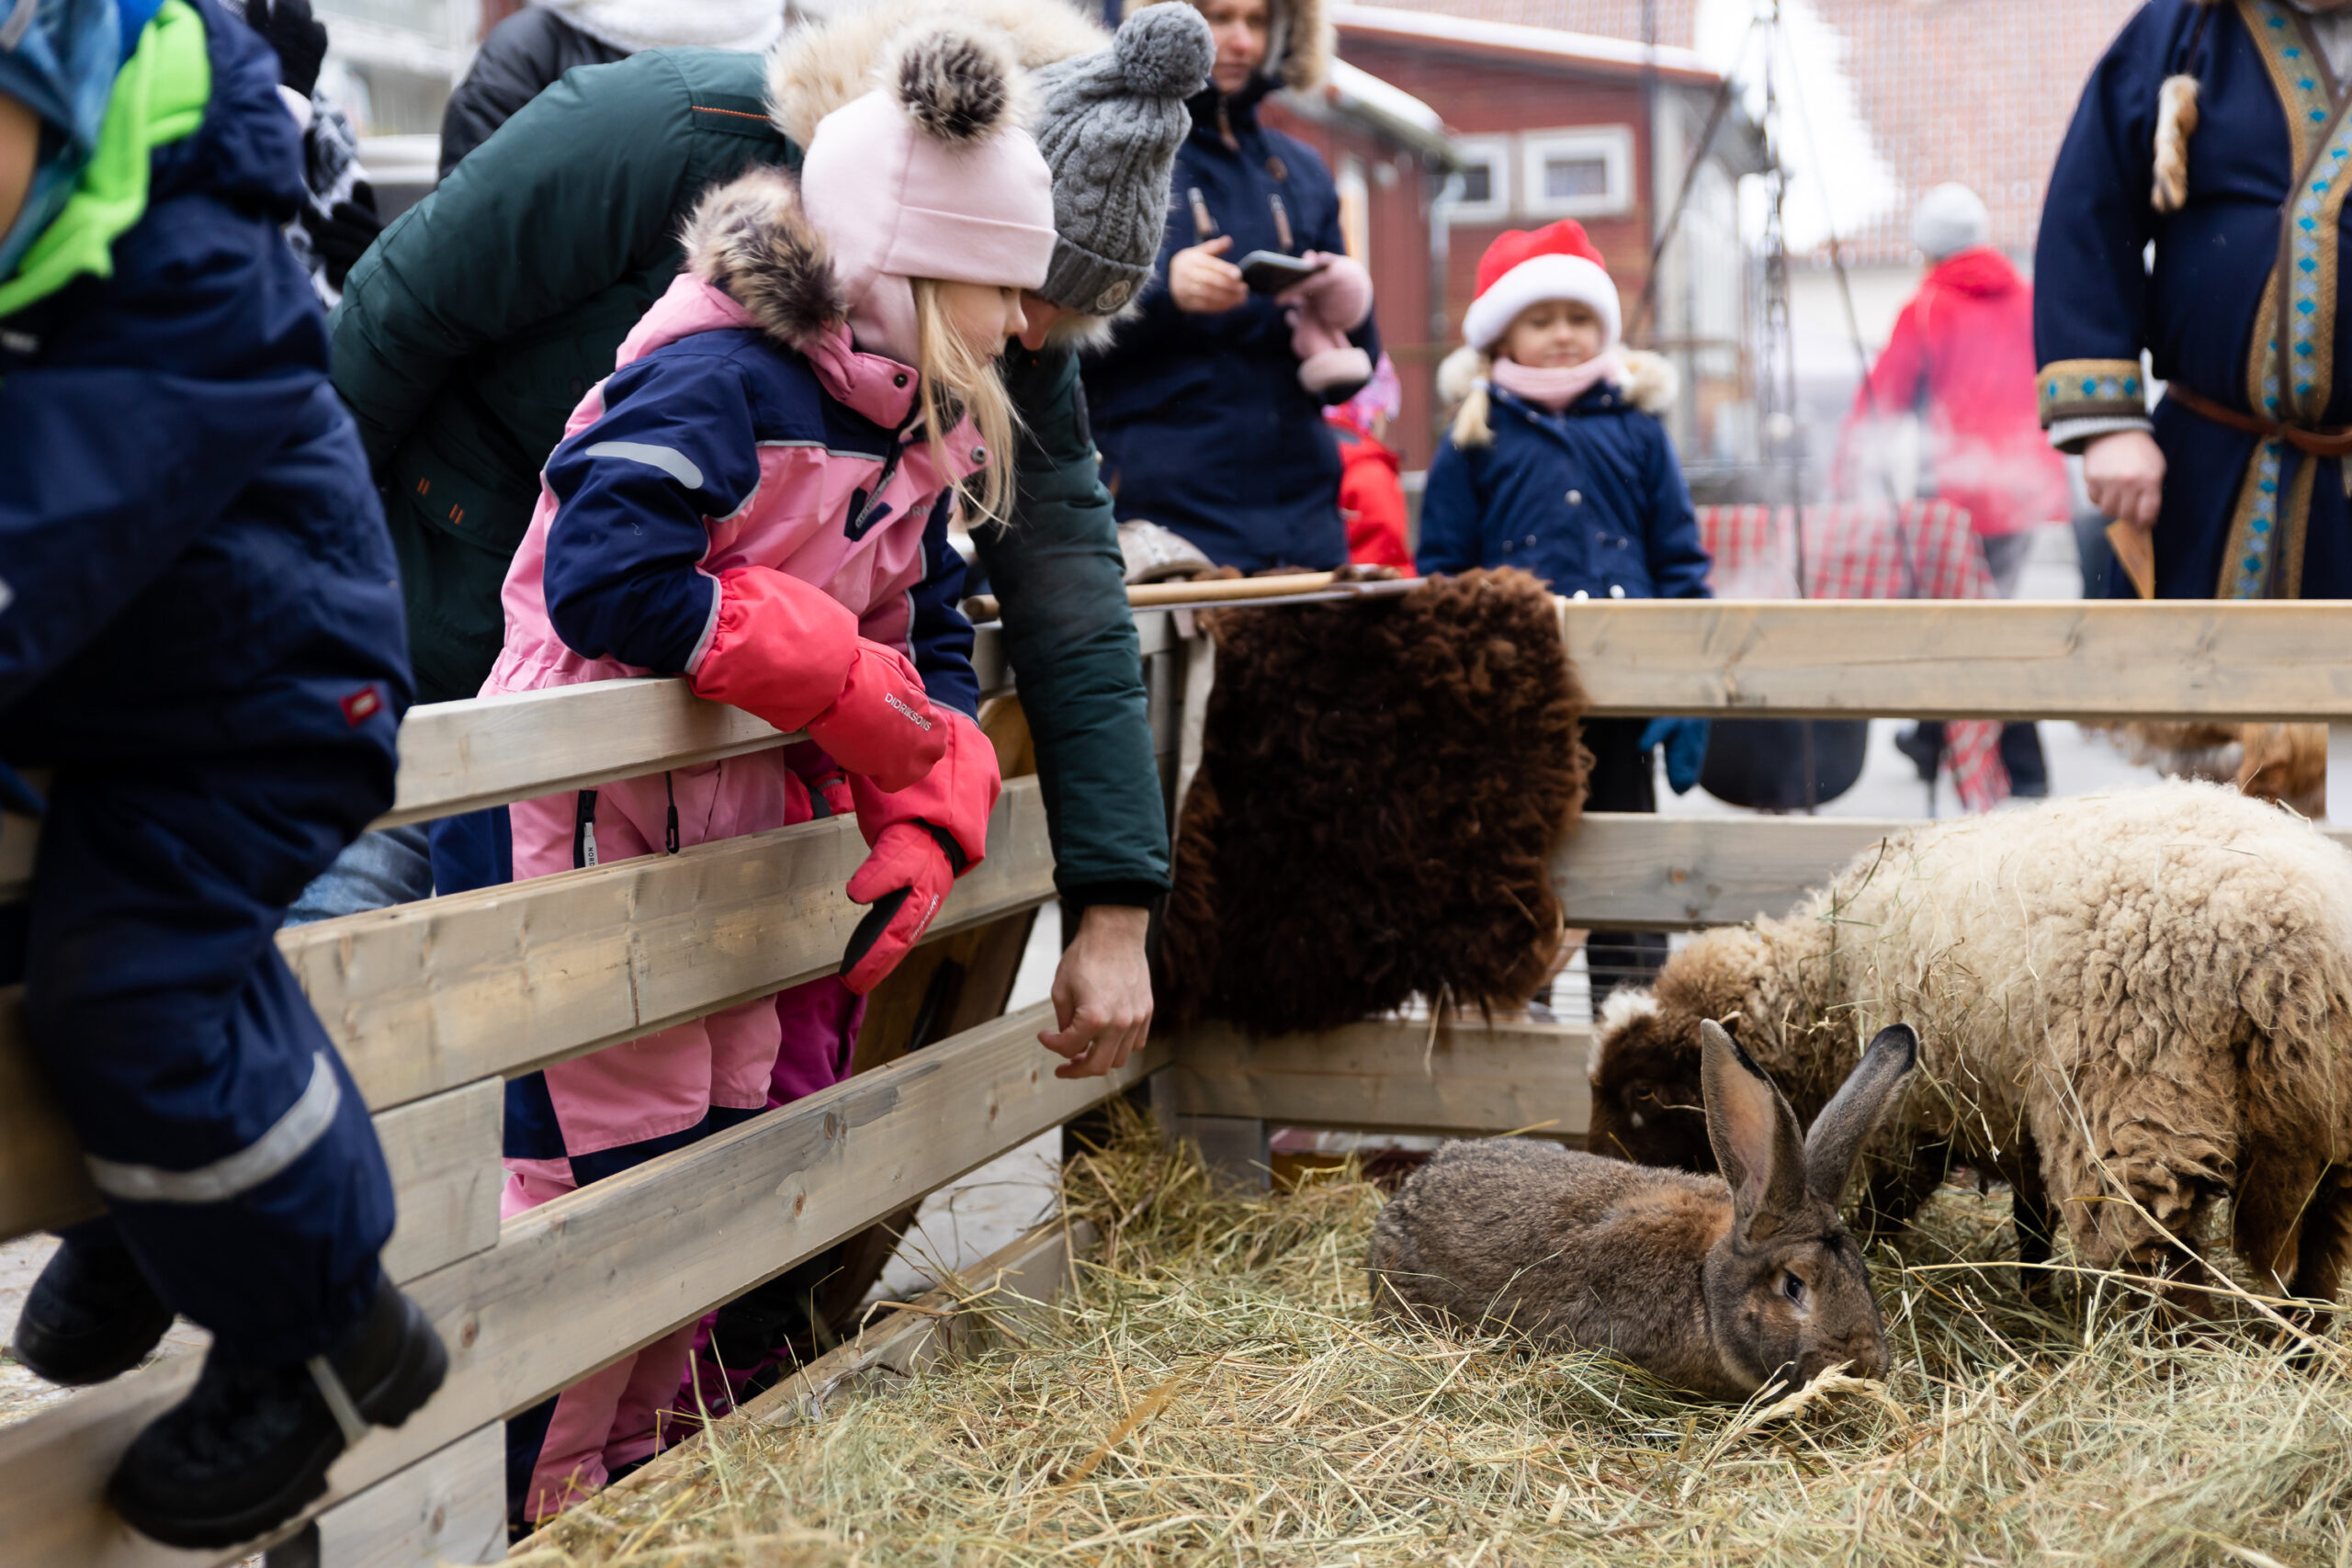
x: 1846, y: 1121
x: 1754, y: 1135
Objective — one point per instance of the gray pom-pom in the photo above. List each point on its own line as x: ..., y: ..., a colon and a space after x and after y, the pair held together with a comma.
x: 1165, y: 51
x: 955, y: 85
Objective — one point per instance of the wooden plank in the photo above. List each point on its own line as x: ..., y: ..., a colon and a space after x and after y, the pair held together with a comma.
x: 628, y: 1259
x: 484, y: 752
x: 1622, y: 872
x: 42, y: 1183
x: 424, y: 997
x: 442, y: 1153
x: 450, y: 1508
x: 2186, y: 659
x: 444, y: 1158
x: 1388, y: 1075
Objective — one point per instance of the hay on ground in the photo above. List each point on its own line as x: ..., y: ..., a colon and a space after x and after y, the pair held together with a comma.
x: 1216, y: 1391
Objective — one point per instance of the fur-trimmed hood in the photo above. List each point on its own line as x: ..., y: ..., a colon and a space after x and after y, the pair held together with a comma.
x: 751, y: 240
x: 1651, y: 383
x: 1301, y: 49
x: 816, y: 69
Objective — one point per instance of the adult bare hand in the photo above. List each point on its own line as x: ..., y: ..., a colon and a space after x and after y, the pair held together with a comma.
x: 1102, y: 994
x: 1202, y: 282
x: 2125, y: 475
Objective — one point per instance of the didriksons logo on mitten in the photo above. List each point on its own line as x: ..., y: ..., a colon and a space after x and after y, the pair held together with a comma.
x: 892, y: 698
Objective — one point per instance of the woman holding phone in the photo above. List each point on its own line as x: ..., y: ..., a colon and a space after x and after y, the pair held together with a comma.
x: 1207, y: 405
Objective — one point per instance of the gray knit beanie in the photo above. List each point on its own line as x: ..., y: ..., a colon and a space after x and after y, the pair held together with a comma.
x: 1109, y: 124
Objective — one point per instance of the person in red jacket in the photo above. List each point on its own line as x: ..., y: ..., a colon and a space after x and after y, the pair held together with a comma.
x: 1961, y: 359
x: 1372, y: 498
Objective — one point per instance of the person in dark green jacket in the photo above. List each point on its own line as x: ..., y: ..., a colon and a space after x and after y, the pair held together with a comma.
x: 470, y: 330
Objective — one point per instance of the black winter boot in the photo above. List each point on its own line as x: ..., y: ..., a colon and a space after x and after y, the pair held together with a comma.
x: 91, y: 1316
x: 250, y: 1445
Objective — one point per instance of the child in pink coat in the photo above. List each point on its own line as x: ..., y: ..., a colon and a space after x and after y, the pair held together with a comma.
x: 758, y: 499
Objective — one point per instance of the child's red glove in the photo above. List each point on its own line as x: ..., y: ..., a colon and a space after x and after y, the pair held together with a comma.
x: 912, y: 868
x: 882, y: 724
x: 924, y: 837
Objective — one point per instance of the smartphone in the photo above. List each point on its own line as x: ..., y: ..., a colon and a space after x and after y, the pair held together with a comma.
x: 1270, y: 272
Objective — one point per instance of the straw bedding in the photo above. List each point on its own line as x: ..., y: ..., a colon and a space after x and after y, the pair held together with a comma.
x: 1216, y: 1391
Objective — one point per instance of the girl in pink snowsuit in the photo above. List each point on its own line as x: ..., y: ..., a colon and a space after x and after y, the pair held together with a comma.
x: 757, y: 499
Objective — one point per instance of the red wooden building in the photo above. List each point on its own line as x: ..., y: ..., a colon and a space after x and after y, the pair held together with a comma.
x: 1542, y: 124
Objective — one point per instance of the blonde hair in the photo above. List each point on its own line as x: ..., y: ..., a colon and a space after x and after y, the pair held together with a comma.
x: 1470, y: 426
x: 957, y: 383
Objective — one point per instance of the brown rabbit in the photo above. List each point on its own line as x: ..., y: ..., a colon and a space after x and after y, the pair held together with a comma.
x: 1715, y: 1285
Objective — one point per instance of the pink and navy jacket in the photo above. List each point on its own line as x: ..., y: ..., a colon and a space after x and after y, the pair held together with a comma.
x: 742, y: 440
x: 745, y: 437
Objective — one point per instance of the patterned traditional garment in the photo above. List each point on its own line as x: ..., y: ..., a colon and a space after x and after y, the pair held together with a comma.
x: 2237, y: 309
x: 1924, y: 550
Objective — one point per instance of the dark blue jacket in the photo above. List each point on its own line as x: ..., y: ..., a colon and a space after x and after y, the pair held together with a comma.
x: 187, y: 527
x: 1203, y: 424
x: 1590, y: 499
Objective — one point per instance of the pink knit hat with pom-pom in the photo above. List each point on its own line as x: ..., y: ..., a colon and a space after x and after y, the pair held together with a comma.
x: 930, y: 177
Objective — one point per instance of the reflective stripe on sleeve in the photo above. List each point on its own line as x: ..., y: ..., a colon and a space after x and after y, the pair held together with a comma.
x: 287, y: 1141
x: 668, y: 459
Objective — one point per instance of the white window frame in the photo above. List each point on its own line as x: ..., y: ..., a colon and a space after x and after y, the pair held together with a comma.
x: 1495, y: 151
x: 1612, y: 143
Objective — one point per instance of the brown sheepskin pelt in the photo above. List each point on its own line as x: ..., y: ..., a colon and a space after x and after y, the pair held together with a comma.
x: 1381, y: 786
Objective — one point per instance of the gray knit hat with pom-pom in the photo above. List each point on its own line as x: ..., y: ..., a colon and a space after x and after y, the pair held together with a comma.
x: 1109, y: 124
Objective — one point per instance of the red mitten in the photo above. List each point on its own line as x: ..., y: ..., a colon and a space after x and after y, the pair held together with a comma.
x: 956, y: 797
x: 912, y: 868
x: 882, y: 725
x: 781, y: 649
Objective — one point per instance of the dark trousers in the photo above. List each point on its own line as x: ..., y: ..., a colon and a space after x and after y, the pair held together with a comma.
x: 1621, y: 779
x: 235, y: 1154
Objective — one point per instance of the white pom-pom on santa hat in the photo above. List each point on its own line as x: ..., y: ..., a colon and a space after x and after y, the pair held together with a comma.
x: 1527, y: 266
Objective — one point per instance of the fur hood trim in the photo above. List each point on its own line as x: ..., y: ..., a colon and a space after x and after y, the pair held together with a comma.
x: 1458, y: 372
x: 1652, y: 382
x: 816, y: 69
x: 751, y: 239
x: 1303, y: 56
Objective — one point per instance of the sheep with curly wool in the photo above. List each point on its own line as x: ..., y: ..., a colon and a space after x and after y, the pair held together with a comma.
x: 2145, y: 995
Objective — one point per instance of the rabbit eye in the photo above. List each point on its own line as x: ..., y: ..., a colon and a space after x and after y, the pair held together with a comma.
x: 1793, y: 1288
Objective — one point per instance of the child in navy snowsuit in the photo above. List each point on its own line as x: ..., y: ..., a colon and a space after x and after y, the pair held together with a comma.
x: 202, y: 655
x: 1558, y: 465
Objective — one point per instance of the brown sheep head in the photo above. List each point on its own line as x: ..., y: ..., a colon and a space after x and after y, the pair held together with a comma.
x: 1647, y: 1105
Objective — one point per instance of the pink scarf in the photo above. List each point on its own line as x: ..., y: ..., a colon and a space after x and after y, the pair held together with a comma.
x: 1558, y: 387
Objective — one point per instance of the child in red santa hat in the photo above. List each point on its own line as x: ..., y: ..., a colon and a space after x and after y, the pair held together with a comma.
x: 1557, y: 464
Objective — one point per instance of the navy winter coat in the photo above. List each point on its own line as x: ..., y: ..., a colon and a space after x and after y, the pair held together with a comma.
x: 1590, y: 499
x: 1203, y: 424
x: 185, y: 514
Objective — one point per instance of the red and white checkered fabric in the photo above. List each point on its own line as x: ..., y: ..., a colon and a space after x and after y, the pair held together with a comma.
x: 1922, y: 549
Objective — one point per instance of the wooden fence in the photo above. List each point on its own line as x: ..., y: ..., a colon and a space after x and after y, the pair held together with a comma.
x: 436, y: 1004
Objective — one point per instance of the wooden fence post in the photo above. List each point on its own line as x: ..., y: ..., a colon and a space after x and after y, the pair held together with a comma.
x: 449, y: 1508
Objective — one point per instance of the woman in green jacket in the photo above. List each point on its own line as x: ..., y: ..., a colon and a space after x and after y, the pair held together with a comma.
x: 475, y: 323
